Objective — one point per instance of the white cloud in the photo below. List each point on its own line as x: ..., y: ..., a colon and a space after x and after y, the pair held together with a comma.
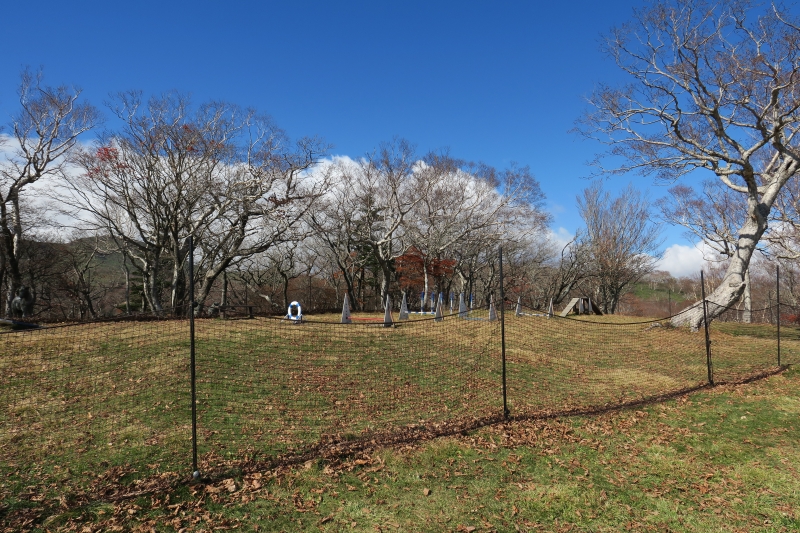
x: 681, y: 261
x: 561, y: 237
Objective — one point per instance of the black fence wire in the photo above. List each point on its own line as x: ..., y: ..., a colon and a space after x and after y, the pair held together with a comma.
x: 81, y: 399
x: 77, y: 399
x: 562, y: 364
x: 273, y: 386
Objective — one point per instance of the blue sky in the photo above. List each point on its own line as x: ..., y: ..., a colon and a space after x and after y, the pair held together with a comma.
x: 496, y: 82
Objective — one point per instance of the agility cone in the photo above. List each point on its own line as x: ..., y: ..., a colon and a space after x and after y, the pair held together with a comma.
x: 387, y: 316
x: 346, y: 311
x: 404, y: 309
x: 462, y: 306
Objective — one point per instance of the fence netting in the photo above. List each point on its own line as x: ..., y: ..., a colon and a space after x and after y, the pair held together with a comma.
x: 83, y: 399
x: 272, y: 386
x: 86, y: 398
x: 562, y: 364
x: 743, y: 347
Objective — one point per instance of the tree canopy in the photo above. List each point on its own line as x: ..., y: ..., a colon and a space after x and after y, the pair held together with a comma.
x: 713, y: 88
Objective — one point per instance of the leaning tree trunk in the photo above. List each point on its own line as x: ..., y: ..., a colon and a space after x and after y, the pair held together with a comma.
x: 733, y: 285
x: 349, y: 287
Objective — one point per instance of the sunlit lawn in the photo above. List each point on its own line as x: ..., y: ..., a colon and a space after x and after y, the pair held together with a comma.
x: 116, y: 400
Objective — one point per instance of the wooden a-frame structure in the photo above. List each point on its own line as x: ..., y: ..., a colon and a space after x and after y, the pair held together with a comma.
x: 581, y: 306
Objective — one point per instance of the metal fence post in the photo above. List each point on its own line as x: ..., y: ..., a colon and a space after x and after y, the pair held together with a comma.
x: 705, y: 324
x: 195, y: 471
x: 503, y: 335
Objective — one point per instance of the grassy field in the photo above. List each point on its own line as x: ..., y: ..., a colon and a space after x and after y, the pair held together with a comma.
x: 723, y: 459
x: 75, y: 442
x: 644, y: 291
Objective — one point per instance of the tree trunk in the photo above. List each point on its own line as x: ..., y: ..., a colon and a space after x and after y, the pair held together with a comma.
x: 425, y: 287
x: 208, y: 281
x: 10, y: 247
x: 733, y: 283
x: 359, y: 301
x: 463, y: 281
x: 224, y: 297
x: 348, y: 280
x: 748, y: 301
x: 351, y: 293
x: 2, y: 270
x: 87, y: 297
x: 285, y: 278
x: 177, y: 268
x: 386, y: 271
x: 178, y: 285
x: 153, y: 296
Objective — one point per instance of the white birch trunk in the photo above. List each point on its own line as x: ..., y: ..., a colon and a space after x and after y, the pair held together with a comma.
x: 734, y: 282
x: 747, y: 297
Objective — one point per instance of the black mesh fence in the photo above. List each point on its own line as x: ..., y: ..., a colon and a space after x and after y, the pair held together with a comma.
x: 789, y: 324
x: 562, y: 364
x: 269, y: 386
x: 82, y: 399
x: 744, y: 346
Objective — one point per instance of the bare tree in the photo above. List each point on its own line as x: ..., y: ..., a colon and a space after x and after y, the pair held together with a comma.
x: 527, y: 268
x: 259, y: 277
x: 567, y: 271
x: 145, y: 184
x: 714, y: 88
x: 284, y: 261
x: 43, y: 133
x: 784, y: 234
x: 361, y: 217
x: 623, y: 242
x: 463, y: 207
x: 713, y: 217
x: 334, y: 219
x: 262, y: 206
x: 84, y: 280
x: 78, y: 278
x: 440, y: 210
x: 227, y: 176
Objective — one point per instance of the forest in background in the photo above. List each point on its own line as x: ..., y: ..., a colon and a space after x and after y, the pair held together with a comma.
x: 95, y: 221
